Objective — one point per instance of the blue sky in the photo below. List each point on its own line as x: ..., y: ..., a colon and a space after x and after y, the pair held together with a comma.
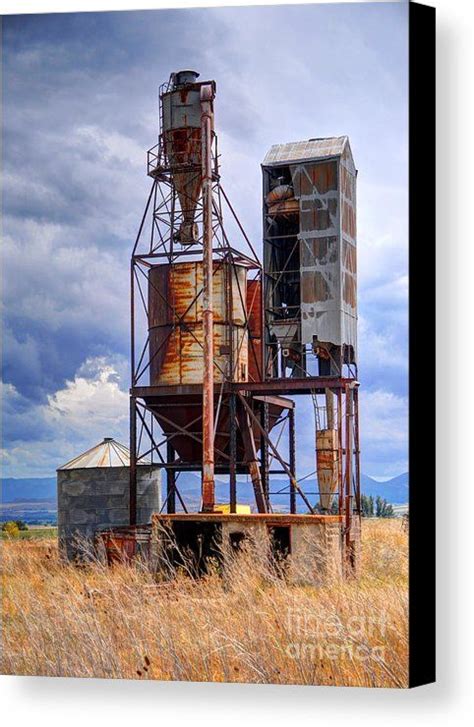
x: 80, y: 110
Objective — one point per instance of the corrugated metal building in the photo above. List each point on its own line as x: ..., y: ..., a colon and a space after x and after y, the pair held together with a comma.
x: 309, y: 221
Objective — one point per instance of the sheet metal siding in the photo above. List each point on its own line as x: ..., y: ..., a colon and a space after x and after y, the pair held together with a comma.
x: 176, y: 329
x: 308, y: 150
x: 182, y: 107
x: 97, y: 498
x: 326, y: 194
x: 255, y: 320
x: 182, y: 136
x: 349, y: 248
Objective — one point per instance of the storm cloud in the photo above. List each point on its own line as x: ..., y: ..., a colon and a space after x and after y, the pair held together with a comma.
x: 80, y: 110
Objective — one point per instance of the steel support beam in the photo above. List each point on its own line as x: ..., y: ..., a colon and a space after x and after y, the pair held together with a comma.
x: 270, y: 387
x: 250, y: 449
x: 276, y: 453
x: 292, y: 452
x: 133, y: 463
x: 170, y: 480
x: 264, y: 464
x: 340, y: 481
x: 208, y: 486
x: 233, y: 453
x: 348, y: 473
x: 357, y: 451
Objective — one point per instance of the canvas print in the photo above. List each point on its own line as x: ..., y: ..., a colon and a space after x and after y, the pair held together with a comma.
x: 205, y: 379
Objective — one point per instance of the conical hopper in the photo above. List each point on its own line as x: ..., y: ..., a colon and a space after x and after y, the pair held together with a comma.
x: 181, y: 419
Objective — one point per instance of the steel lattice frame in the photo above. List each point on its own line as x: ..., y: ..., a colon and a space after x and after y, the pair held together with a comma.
x: 157, y: 244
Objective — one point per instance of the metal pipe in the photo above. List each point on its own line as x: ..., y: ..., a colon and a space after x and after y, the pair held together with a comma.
x: 208, y: 485
x: 348, y: 502
x: 340, y: 479
x: 133, y: 463
x: 276, y: 453
x: 357, y: 450
x: 264, y: 460
x: 292, y: 448
x: 233, y: 452
x: 170, y: 480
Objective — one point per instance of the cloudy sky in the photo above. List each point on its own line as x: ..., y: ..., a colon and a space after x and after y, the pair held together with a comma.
x: 80, y: 110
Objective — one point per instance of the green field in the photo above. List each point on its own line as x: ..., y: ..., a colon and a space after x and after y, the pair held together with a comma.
x: 34, y: 532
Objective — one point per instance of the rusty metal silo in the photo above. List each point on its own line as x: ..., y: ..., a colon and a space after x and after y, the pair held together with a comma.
x: 176, y: 348
x: 203, y: 301
x: 218, y: 339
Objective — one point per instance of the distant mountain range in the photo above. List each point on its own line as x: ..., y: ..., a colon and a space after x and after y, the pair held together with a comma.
x: 28, y: 489
x: 394, y: 491
x: 42, y: 490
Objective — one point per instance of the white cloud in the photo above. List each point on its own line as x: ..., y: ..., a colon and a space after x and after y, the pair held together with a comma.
x: 56, y: 279
x: 110, y: 145
x: 384, y: 431
x: 94, y: 401
x: 81, y: 116
x: 90, y: 407
x: 380, y: 348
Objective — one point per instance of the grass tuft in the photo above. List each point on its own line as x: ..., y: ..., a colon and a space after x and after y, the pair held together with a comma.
x: 250, y: 626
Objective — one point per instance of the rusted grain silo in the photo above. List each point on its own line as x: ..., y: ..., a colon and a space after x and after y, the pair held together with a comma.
x: 219, y: 340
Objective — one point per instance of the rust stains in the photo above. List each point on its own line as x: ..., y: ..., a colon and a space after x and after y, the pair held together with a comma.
x: 255, y: 323
x: 176, y: 323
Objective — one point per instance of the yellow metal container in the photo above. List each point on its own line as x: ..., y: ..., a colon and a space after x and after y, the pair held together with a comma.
x: 225, y: 509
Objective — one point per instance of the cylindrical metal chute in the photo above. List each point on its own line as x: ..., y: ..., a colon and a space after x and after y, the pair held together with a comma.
x: 181, y: 120
x: 327, y: 453
x: 183, y: 149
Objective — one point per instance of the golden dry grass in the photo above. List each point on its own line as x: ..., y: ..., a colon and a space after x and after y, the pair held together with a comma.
x: 61, y: 620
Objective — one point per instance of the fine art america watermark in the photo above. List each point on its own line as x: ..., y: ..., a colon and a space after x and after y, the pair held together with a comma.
x: 360, y: 637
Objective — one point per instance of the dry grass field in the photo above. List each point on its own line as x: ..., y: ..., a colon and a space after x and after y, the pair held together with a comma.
x: 94, y: 621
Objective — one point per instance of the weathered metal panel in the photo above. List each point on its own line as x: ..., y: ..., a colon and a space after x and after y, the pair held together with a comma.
x: 327, y: 252
x: 315, y: 186
x: 327, y: 459
x: 348, y: 249
x: 323, y: 178
x: 310, y: 149
x: 182, y: 107
x: 175, y: 323
x: 255, y: 322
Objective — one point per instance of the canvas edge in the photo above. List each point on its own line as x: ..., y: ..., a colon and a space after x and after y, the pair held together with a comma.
x: 422, y: 375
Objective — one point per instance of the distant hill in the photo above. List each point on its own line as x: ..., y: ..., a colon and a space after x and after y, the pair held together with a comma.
x: 394, y: 490
x: 43, y: 489
x: 28, y: 489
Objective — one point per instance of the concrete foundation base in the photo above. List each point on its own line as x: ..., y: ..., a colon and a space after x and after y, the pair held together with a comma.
x: 310, y: 549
